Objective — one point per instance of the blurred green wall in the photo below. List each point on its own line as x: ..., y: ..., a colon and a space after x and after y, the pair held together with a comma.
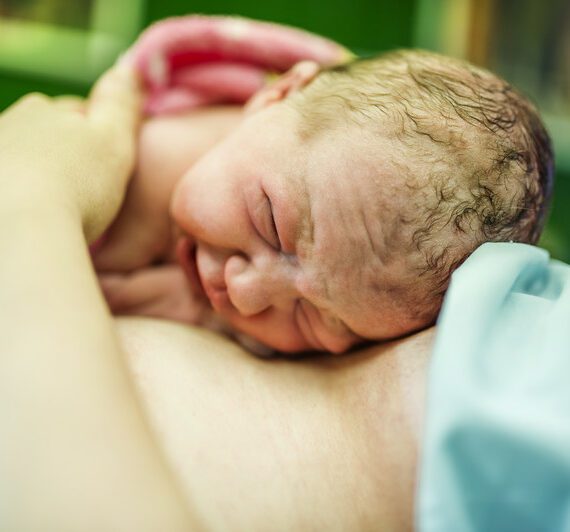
x: 362, y: 25
x: 556, y: 237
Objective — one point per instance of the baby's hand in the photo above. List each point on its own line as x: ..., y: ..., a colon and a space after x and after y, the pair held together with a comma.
x: 158, y: 292
x: 163, y: 292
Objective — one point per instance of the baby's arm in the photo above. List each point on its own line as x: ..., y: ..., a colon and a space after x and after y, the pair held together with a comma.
x: 142, y: 234
x: 137, y: 269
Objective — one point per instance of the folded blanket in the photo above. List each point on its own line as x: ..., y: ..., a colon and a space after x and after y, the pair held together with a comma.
x: 496, y: 450
x: 198, y: 60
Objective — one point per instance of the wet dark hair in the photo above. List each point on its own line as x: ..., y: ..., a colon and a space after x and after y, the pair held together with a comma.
x: 484, y: 156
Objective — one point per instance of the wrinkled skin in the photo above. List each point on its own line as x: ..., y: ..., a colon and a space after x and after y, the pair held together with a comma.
x: 281, y: 232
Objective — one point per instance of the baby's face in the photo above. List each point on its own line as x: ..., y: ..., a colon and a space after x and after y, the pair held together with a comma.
x: 287, y: 239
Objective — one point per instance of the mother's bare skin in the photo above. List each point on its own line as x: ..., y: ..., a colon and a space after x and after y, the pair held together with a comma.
x: 319, y: 444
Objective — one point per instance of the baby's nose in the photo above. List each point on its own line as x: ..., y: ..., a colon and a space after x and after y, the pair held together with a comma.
x: 254, y: 287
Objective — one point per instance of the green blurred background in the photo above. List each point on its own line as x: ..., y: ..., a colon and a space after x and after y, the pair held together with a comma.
x: 364, y: 26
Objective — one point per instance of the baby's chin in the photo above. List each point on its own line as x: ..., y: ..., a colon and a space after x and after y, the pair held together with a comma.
x: 284, y: 344
x: 254, y: 346
x: 215, y: 322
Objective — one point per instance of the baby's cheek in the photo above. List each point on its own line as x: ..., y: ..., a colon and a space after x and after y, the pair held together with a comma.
x: 333, y: 323
x: 180, y: 205
x: 335, y: 335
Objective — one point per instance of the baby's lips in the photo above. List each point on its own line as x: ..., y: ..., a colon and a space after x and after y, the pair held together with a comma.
x: 184, y: 254
x: 184, y: 245
x: 94, y: 247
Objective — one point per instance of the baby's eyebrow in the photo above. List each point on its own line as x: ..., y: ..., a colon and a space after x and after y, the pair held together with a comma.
x: 303, y: 224
x: 372, y: 243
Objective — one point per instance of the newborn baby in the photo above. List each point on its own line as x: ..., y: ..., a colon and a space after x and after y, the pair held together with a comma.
x: 336, y: 210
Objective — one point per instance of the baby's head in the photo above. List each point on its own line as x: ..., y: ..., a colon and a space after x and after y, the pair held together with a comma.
x: 340, y: 207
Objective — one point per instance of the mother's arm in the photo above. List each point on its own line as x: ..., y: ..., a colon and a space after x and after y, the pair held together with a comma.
x: 75, y: 449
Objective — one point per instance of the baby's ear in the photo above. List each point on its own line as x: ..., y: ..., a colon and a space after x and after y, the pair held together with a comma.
x: 294, y: 79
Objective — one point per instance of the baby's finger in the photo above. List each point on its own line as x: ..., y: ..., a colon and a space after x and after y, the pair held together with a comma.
x: 129, y: 293
x: 115, y: 102
x: 124, y: 292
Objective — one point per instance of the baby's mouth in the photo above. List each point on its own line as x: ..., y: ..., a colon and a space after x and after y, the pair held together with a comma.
x: 201, y: 284
x: 186, y: 255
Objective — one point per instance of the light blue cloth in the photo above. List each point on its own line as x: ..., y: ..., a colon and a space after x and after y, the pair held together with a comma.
x: 496, y: 445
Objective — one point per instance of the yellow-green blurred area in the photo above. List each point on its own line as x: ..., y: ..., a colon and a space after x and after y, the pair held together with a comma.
x: 75, y: 14
x: 60, y: 46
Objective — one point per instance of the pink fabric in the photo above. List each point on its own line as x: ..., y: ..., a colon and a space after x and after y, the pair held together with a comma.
x: 198, y: 60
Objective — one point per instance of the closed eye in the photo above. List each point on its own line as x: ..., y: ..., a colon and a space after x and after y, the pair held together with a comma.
x: 269, y: 232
